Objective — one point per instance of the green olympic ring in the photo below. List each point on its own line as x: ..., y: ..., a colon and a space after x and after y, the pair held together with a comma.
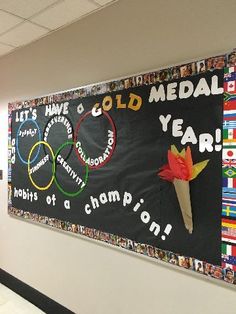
x: 54, y: 164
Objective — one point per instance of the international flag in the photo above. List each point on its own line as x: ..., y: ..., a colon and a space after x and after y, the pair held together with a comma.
x: 231, y: 75
x: 229, y: 163
x: 229, y: 182
x: 229, y: 193
x: 229, y: 96
x: 226, y: 265
x: 228, y: 210
x: 227, y: 197
x: 229, y: 168
x: 229, y: 70
x: 230, y: 87
x: 230, y: 115
x: 228, y: 231
x: 228, y: 238
x: 229, y: 134
x: 229, y: 151
x: 228, y: 256
x: 229, y: 223
x: 228, y: 259
x: 228, y: 200
x: 228, y: 249
x: 230, y: 105
x: 229, y: 124
x: 228, y: 172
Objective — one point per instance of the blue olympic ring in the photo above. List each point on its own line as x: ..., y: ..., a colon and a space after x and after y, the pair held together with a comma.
x: 17, y: 141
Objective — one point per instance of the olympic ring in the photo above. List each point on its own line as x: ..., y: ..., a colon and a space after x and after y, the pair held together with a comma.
x: 17, y: 141
x: 41, y: 188
x: 46, y: 126
x: 113, y: 144
x: 55, y: 177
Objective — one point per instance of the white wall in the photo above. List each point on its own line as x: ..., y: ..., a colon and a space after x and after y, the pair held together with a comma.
x: 128, y: 37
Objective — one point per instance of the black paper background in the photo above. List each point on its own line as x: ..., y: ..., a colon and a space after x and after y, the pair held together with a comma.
x: 140, y: 151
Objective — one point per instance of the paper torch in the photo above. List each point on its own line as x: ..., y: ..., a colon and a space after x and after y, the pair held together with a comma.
x: 180, y: 170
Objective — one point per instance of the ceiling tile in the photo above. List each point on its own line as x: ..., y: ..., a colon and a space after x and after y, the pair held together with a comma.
x: 64, y: 13
x: 25, y: 8
x: 23, y: 34
x: 5, y: 49
x: 103, y: 2
x: 7, y: 21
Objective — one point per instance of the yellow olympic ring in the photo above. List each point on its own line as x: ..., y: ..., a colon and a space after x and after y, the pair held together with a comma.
x: 41, y: 188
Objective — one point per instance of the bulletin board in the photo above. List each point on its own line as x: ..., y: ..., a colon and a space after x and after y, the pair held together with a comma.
x: 146, y: 163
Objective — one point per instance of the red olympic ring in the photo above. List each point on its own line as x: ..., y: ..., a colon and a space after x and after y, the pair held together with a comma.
x: 113, y: 145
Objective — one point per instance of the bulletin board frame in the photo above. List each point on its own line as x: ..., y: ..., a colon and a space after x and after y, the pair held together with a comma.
x: 227, y: 271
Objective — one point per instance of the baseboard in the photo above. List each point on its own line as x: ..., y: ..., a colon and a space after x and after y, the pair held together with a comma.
x: 32, y: 295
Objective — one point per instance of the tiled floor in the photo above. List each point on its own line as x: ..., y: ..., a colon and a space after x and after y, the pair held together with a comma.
x: 12, y: 303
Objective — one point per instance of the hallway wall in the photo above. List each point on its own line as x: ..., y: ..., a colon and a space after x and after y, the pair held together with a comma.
x: 128, y: 37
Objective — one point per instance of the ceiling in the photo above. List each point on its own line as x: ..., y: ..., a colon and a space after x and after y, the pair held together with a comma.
x: 24, y: 21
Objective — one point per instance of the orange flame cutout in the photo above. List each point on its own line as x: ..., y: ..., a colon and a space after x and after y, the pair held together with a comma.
x: 180, y: 166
